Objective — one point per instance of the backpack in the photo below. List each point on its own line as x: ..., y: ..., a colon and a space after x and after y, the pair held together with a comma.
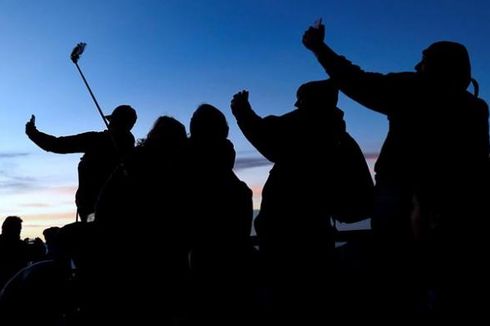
x: 353, y: 186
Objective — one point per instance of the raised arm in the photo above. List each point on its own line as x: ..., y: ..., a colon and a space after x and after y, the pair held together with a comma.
x: 255, y: 128
x: 61, y: 145
x: 373, y: 90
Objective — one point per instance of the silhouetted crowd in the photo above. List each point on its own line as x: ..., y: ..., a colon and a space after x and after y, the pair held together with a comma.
x: 164, y: 236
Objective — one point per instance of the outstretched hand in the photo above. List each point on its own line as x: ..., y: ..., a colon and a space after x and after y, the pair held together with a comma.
x: 240, y: 103
x: 31, y: 125
x: 314, y: 36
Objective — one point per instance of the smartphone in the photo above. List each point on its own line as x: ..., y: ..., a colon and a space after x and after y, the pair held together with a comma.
x: 317, y: 23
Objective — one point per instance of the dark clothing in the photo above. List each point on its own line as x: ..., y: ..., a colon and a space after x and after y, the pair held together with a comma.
x: 293, y: 226
x: 437, y: 143
x: 427, y: 123
x: 222, y: 211
x: 13, y: 257
x: 41, y: 294
x: 98, y: 162
x: 147, y: 203
x: 213, y: 177
x: 431, y: 214
x: 221, y: 251
x: 300, y: 144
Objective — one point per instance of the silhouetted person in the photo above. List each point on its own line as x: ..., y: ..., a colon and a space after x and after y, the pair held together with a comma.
x: 222, y: 213
x: 51, y: 240
x: 13, y: 251
x: 431, y: 165
x: 36, y: 249
x: 142, y: 220
x: 48, y: 292
x: 294, y: 226
x: 102, y: 152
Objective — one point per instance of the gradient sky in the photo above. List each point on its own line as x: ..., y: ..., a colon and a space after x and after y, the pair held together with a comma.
x: 167, y: 57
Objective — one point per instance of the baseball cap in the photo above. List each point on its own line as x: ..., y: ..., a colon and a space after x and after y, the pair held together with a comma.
x: 123, y: 114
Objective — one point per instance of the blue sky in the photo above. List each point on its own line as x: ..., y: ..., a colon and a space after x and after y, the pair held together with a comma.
x: 167, y: 57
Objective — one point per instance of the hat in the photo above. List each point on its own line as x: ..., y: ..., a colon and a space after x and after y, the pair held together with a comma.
x: 449, y: 62
x: 123, y: 114
x: 317, y: 93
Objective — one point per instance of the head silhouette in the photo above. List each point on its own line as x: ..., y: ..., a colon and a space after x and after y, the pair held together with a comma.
x: 11, y: 227
x: 447, y: 64
x: 166, y: 133
x: 122, y: 118
x: 317, y: 94
x: 50, y: 234
x: 208, y: 123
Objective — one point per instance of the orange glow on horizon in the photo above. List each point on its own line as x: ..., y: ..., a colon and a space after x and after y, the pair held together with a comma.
x: 33, y: 225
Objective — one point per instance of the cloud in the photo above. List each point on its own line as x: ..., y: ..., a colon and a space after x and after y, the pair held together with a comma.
x: 34, y: 224
x: 64, y: 190
x: 12, y: 155
x: 371, y: 155
x: 10, y: 183
x: 256, y: 189
x: 251, y: 162
x: 10, y: 180
x: 35, y: 205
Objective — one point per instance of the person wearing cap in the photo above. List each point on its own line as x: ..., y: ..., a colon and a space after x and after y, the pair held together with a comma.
x: 431, y: 173
x: 102, y: 152
x: 294, y: 223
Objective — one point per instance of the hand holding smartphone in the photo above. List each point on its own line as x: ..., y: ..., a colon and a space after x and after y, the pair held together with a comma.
x: 31, y: 125
x: 314, y: 35
x: 317, y: 23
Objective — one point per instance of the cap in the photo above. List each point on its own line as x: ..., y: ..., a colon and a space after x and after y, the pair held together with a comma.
x: 123, y: 114
x: 449, y: 62
x: 317, y: 93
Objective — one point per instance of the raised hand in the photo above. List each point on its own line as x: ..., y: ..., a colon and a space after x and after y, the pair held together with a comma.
x: 314, y: 36
x: 240, y: 103
x: 31, y: 125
